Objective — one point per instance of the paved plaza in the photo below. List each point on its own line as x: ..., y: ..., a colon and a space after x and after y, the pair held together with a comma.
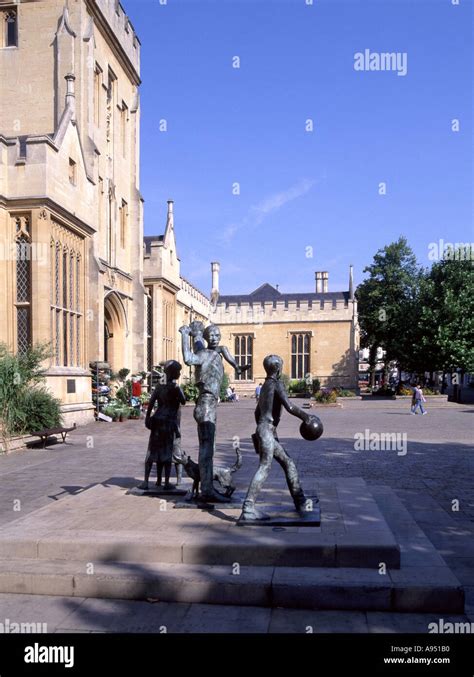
x: 430, y: 478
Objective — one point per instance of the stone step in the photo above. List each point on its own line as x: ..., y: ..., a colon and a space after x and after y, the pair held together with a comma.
x: 105, y: 523
x: 283, y: 548
x: 428, y: 589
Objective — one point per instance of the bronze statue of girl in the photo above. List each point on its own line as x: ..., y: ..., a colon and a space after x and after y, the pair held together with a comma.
x: 163, y: 425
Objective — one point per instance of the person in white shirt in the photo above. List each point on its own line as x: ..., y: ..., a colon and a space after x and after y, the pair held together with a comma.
x: 419, y: 399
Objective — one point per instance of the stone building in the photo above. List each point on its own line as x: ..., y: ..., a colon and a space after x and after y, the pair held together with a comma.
x: 71, y: 234
x: 316, y: 333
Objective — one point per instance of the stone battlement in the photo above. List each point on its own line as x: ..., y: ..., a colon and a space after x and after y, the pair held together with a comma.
x: 283, y: 311
x: 119, y: 23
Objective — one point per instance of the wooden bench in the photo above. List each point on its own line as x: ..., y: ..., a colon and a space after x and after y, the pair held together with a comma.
x: 49, y: 432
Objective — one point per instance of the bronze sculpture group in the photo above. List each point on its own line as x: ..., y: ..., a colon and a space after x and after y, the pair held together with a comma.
x: 164, y: 443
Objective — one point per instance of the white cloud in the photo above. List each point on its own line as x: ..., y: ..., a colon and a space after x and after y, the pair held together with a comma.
x: 257, y: 213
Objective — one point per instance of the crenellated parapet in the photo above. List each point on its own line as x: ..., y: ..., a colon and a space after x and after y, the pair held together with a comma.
x: 328, y: 307
x: 112, y: 18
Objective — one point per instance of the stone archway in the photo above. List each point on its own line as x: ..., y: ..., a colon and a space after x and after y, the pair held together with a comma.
x: 115, y: 331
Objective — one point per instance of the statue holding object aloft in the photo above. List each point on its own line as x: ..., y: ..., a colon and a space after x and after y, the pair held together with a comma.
x: 209, y: 374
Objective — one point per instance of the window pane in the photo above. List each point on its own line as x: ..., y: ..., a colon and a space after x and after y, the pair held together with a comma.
x: 65, y: 333
x: 71, y: 338
x: 23, y: 329
x: 58, y: 337
x: 78, y: 272
x: 56, y: 275
x: 78, y: 341
x: 71, y: 283
x: 306, y: 343
x: 293, y: 343
x: 22, y: 271
x: 64, y: 280
x: 293, y: 366
x: 237, y: 346
x: 11, y: 31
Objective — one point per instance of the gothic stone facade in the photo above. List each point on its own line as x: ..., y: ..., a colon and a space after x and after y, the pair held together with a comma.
x: 71, y: 233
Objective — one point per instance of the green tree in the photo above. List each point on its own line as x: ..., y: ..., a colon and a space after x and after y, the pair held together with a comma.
x: 387, y: 303
x: 224, y: 385
x: 447, y: 315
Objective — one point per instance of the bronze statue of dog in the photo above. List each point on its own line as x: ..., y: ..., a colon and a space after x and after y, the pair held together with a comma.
x: 223, y: 476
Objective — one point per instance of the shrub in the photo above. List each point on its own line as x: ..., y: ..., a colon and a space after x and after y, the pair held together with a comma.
x: 190, y: 391
x: 19, y: 375
x: 124, y: 393
x: 111, y: 411
x: 315, y: 385
x: 41, y: 410
x: 285, y: 379
x: 344, y: 392
x: 224, y: 385
x: 325, y: 396
x: 298, y: 386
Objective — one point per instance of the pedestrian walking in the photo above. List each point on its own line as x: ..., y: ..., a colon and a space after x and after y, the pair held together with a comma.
x: 419, y: 399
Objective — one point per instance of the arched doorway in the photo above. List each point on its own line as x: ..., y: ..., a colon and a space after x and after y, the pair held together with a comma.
x: 115, y: 331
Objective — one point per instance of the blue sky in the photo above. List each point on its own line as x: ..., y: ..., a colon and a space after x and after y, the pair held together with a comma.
x: 302, y: 189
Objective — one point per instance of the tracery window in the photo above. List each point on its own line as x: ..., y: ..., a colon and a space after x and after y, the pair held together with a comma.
x: 300, y: 355
x: 243, y: 350
x: 67, y: 275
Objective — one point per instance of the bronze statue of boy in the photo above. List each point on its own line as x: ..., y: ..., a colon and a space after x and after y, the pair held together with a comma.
x: 267, y: 415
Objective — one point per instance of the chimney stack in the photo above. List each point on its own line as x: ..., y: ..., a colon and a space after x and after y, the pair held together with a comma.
x: 319, y: 282
x: 215, y: 267
x: 351, y: 282
x: 170, y: 215
x: 325, y: 278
